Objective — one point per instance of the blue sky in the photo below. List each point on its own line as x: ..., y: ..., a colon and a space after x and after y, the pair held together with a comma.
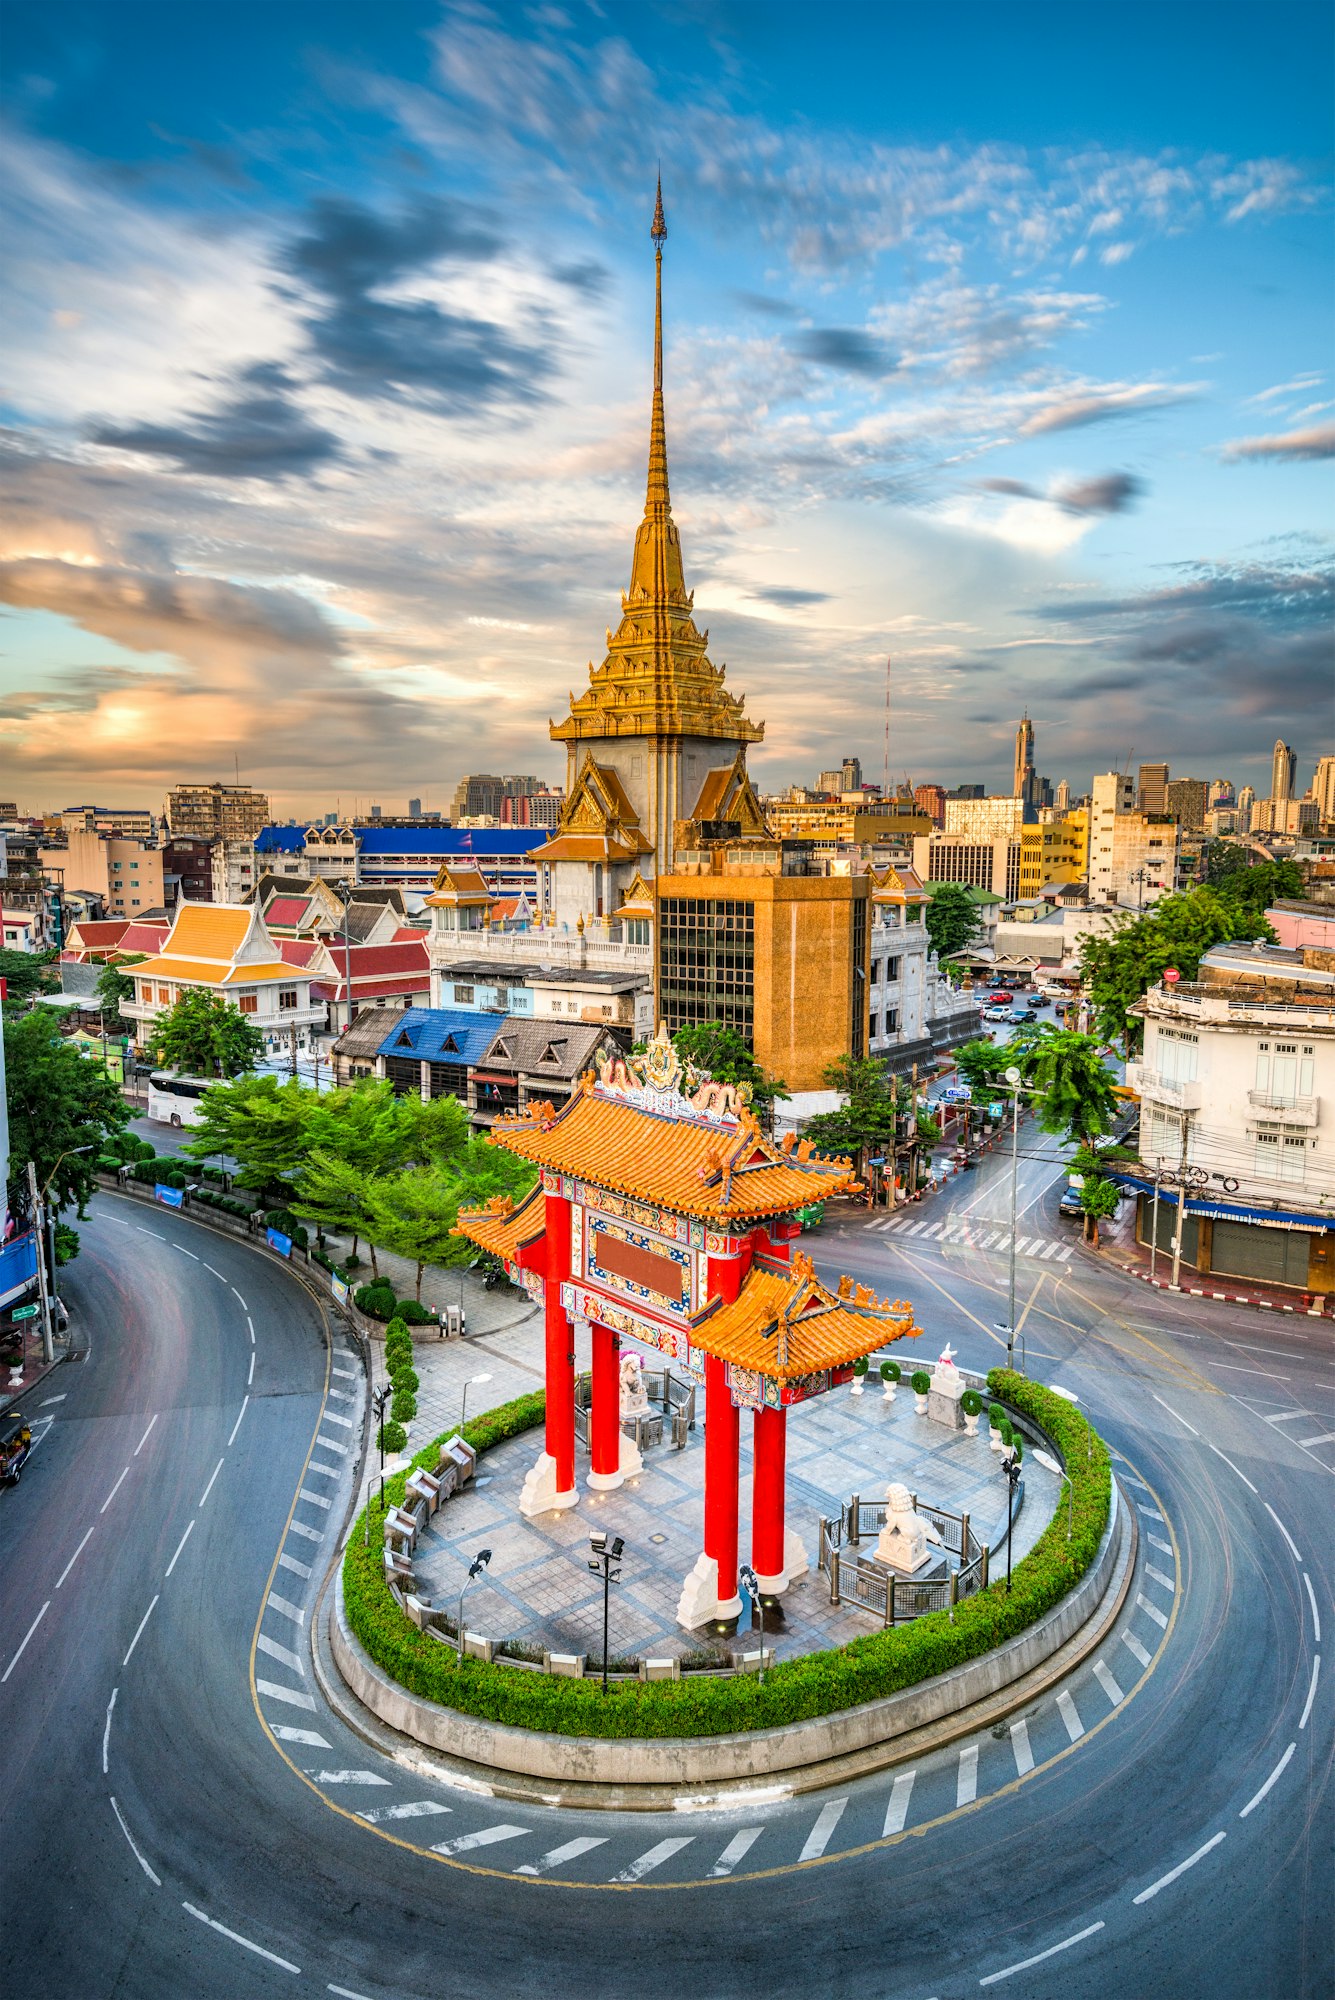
x: 997, y: 342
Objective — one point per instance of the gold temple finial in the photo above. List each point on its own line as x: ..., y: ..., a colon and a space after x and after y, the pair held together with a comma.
x: 658, y: 228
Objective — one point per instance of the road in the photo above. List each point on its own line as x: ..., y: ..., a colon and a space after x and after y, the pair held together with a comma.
x: 215, y: 1829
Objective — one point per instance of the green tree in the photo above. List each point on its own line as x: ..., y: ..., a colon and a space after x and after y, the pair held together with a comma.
x: 983, y: 1064
x: 1073, y: 1085
x: 1098, y: 1201
x: 26, y: 974
x: 205, y: 1035
x: 414, y: 1214
x: 114, y: 987
x: 262, y: 1125
x: 59, y: 1103
x: 333, y: 1193
x: 1118, y: 966
x: 867, y: 1122
x: 952, y: 918
x: 1263, y: 883
x: 721, y: 1052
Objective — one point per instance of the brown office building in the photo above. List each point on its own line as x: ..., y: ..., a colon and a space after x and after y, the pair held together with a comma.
x: 216, y: 812
x: 752, y: 936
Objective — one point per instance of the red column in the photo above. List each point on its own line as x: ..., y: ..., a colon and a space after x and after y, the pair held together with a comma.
x: 605, y: 1414
x: 560, y: 1347
x: 767, y: 1480
x: 721, y: 1480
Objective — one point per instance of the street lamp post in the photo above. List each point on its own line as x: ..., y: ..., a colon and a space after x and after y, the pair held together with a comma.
x: 1010, y: 1465
x: 44, y: 1230
x: 463, y: 1412
x: 475, y: 1569
x: 379, y: 1403
x: 749, y: 1580
x: 1013, y: 1079
x: 605, y: 1553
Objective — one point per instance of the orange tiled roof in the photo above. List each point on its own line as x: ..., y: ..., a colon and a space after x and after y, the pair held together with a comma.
x: 589, y: 847
x: 213, y: 931
x: 206, y: 972
x: 502, y: 1228
x: 680, y: 1162
x: 787, y: 1324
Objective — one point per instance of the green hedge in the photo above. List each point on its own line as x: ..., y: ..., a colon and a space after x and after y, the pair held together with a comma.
x: 375, y: 1300
x: 413, y: 1314
x: 881, y: 1663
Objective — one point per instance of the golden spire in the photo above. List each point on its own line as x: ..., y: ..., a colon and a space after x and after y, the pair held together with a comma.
x: 656, y: 568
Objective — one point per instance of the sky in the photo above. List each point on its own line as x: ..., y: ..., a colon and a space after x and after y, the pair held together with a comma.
x: 997, y: 348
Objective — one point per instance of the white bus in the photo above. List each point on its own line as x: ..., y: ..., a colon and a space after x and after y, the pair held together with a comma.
x: 175, y: 1099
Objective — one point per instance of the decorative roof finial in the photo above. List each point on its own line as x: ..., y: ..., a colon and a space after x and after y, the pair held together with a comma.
x: 658, y: 228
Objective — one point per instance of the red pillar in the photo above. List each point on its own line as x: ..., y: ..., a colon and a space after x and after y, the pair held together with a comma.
x: 721, y: 1480
x: 605, y: 1414
x: 767, y: 1481
x: 560, y: 1347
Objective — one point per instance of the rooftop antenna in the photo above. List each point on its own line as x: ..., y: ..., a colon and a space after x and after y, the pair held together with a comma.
x: 885, y: 764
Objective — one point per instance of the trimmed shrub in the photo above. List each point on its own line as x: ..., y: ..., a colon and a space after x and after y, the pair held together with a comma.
x: 329, y: 1264
x: 920, y: 1381
x: 891, y: 1371
x: 282, y: 1219
x: 405, y: 1379
x: 143, y: 1150
x: 971, y: 1403
x: 860, y: 1366
x: 996, y: 1417
x: 404, y: 1406
x: 415, y: 1315
x: 392, y: 1437
x: 375, y: 1300
x: 110, y: 1163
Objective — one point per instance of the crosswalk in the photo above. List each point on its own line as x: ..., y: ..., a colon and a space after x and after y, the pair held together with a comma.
x: 974, y: 1235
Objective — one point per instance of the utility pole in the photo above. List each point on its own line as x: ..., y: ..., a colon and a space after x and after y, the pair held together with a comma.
x: 1154, y: 1222
x: 292, y: 1045
x: 39, y: 1237
x: 1181, y: 1204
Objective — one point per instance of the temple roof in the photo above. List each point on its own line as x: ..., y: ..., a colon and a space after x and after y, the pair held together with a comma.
x: 502, y: 1228
x: 786, y: 1324
x: 683, y: 1156
x: 657, y: 678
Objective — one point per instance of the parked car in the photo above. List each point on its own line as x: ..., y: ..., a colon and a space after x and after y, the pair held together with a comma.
x: 1070, y: 1202
x: 1023, y: 1014
x: 997, y: 1014
x: 998, y: 999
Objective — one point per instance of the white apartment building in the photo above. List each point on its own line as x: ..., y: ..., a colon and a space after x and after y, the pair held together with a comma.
x: 912, y: 1008
x: 1132, y: 855
x: 1237, y: 1087
x: 235, y: 869
x: 227, y: 950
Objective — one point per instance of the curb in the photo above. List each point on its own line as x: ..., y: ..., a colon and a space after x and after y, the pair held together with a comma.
x: 1314, y: 1311
x: 526, y: 1765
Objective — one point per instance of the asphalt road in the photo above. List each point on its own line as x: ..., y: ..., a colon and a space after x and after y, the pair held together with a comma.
x: 1167, y: 1839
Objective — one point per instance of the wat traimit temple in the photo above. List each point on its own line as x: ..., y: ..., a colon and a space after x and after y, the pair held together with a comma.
x: 664, y: 1218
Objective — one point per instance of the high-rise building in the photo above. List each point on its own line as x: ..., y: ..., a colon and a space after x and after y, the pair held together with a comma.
x: 217, y: 812
x: 1221, y: 793
x: 1152, y: 788
x: 1026, y: 778
x: 1246, y: 807
x: 1186, y: 802
x: 1283, y: 771
x: 852, y: 774
x: 831, y: 781
x: 1323, y: 790
x: 1132, y: 855
x: 1062, y: 802
x: 931, y: 799
x: 414, y: 808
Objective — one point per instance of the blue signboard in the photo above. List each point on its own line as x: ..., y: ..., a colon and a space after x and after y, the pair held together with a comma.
x: 18, y: 1266
x: 173, y: 1197
x: 277, y: 1241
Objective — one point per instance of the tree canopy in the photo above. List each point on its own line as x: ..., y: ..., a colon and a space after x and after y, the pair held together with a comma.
x: 1072, y: 1085
x: 867, y: 1122
x: 952, y: 918
x: 1120, y: 965
x: 205, y: 1035
x: 59, y: 1102
x: 26, y: 974
x: 721, y: 1052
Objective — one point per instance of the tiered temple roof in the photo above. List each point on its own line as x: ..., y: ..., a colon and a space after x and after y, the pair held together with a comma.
x: 785, y: 1324
x: 502, y: 1228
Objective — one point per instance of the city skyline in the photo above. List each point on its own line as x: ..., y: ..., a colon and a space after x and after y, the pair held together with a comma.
x: 329, y: 394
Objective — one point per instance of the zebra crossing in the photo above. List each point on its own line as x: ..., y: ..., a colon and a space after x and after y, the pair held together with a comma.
x: 974, y: 1235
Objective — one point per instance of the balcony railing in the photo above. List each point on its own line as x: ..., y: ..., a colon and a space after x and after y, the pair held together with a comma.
x: 1156, y: 1089
x: 1278, y: 1107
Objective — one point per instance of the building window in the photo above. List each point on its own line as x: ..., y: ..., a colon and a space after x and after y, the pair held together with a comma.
x: 891, y: 968
x: 892, y: 1020
x: 164, y: 996
x: 706, y: 962
x: 876, y: 971
x: 287, y: 998
x: 249, y: 1003
x: 1177, y: 1054
x: 463, y: 996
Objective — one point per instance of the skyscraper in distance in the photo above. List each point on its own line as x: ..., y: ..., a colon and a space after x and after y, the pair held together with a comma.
x: 1283, y: 771
x: 1026, y: 778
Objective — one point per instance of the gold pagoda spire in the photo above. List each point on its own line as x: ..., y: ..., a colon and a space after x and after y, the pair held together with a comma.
x: 656, y: 567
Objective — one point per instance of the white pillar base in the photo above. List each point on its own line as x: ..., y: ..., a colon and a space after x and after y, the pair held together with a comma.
x: 772, y: 1586
x: 604, y: 1482
x: 794, y: 1555
x: 631, y: 1460
x: 540, y: 1495
x: 700, y: 1603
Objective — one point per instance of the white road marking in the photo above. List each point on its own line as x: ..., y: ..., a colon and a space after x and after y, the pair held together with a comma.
x: 324, y: 1471
x: 1173, y: 1413
x: 1024, y: 1756
x: 915, y: 1229
x: 1181, y: 1869
x: 1232, y: 1468
x: 487, y: 1837
x: 106, y: 1733
x: 237, y: 1938
x: 251, y: 1376
x: 1070, y: 1715
x: 345, y: 1992
x: 209, y: 1488
x: 217, y: 1274
x: 966, y: 1784
x: 332, y: 1417
x: 112, y: 1495
x: 73, y: 1559
x: 654, y: 1857
x: 570, y: 1852
x: 897, y: 1811
x: 1311, y: 1692
x: 1051, y: 1250
x: 236, y: 1295
x: 1159, y: 1578
x: 1155, y: 1542
x: 48, y: 1400
x: 283, y: 1654
x: 349, y: 1374
x: 736, y: 1850
x: 1129, y: 1479
x: 823, y: 1831
x: 179, y: 1546
x: 1327, y: 1437
x: 1065, y: 1254
x: 286, y: 1610
x: 1152, y: 1611
x: 237, y: 1425
x: 250, y: 1328
x: 1039, y: 1956
x: 1133, y: 1645
x: 307, y: 1534
x: 186, y: 1253
x: 150, y: 1232
x: 26, y: 1637
x: 310, y: 1737
x: 316, y: 1499
x: 154, y: 1879
x: 340, y: 1395
x: 1274, y: 1777
x: 1289, y: 1416
x: 285, y: 1561
x: 1316, y: 1615
x: 332, y: 1444
x: 1103, y: 1675
x: 1150, y: 1513
x: 418, y: 1809
x: 349, y: 1778
x: 139, y: 1634
x: 290, y: 1695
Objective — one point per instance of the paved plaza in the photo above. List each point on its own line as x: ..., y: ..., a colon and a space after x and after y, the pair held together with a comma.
x: 539, y: 1590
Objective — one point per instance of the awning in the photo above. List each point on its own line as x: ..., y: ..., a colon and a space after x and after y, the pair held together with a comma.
x: 1216, y: 1211
x: 484, y: 1076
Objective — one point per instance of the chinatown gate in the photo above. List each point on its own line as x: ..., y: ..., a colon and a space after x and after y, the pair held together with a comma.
x: 664, y: 1217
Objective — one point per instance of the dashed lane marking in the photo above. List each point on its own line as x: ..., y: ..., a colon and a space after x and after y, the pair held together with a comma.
x: 1158, y: 1577
x: 283, y: 1654
x: 73, y: 1559
x: 1103, y: 1675
x: 897, y: 1811
x: 27, y: 1635
x: 1181, y: 1869
x: 315, y: 1499
x: 1157, y: 1542
x: 966, y: 1783
x: 285, y: 1561
x: 217, y: 1274
x: 237, y: 1425
x: 332, y: 1417
x: 140, y: 1633
x: 310, y: 1737
x: 179, y: 1546
x: 1070, y: 1715
x: 1134, y: 1647
x: 285, y: 1609
x: 156, y: 1880
x: 1273, y: 1779
x: 209, y: 1488
x: 1280, y: 1525
x: 332, y: 1444
x: 1311, y: 1692
x: 1151, y: 1611
x: 324, y: 1471
x: 571, y: 1851
x: 307, y: 1534
x: 349, y: 1778
x: 1024, y: 1756
x: 237, y: 1938
x: 293, y: 1696
x: 822, y: 1832
x: 415, y: 1809
x: 487, y: 1836
x: 1316, y: 1615
x: 1150, y: 1513
x: 652, y: 1858
x: 348, y: 1374
x: 1039, y: 1956
x: 736, y: 1850
x: 186, y: 1253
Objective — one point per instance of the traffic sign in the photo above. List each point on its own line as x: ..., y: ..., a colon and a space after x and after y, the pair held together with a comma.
x: 25, y: 1312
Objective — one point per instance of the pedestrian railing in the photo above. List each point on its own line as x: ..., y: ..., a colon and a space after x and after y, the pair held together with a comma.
x: 857, y: 1578
x: 673, y: 1396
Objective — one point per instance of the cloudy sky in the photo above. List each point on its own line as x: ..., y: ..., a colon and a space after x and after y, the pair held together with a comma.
x: 998, y: 344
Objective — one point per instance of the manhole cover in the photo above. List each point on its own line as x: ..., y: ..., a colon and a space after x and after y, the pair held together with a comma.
x: 658, y: 1538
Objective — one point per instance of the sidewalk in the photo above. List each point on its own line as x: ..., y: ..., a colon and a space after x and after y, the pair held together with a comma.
x: 1118, y: 1246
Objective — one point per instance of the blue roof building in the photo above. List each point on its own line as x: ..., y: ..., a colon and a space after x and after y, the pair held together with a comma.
x: 410, y: 857
x: 456, y: 1036
x: 280, y: 840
